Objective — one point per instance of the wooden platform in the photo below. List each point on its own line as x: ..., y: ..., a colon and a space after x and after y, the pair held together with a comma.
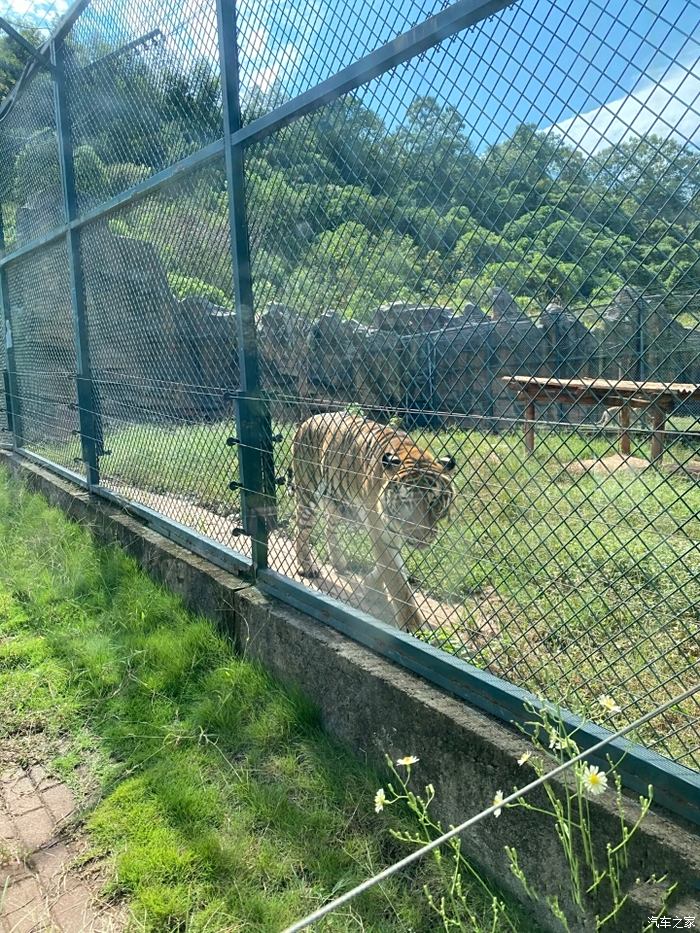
x: 659, y: 398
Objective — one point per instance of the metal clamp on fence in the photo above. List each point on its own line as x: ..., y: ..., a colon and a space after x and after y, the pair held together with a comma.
x: 257, y: 483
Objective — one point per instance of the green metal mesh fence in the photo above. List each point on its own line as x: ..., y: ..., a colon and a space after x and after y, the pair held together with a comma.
x: 442, y: 230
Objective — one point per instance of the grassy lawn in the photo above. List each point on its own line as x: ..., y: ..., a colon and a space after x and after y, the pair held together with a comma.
x: 589, y: 584
x: 210, y: 790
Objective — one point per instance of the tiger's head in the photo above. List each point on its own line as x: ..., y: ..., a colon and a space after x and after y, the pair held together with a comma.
x: 416, y: 496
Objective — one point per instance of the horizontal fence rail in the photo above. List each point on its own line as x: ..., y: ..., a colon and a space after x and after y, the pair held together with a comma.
x: 395, y: 308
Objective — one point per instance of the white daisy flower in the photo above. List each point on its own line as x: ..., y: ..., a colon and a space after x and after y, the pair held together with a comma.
x: 498, y: 799
x: 594, y: 780
x: 525, y: 757
x: 379, y: 800
x: 608, y: 704
x: 556, y: 743
x: 407, y: 761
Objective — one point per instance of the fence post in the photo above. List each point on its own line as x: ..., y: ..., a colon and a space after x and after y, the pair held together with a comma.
x: 489, y: 357
x: 255, y: 456
x: 641, y: 342
x: 12, y: 400
x: 90, y: 422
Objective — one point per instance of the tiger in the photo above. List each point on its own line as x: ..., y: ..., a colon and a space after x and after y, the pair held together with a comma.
x: 373, y: 473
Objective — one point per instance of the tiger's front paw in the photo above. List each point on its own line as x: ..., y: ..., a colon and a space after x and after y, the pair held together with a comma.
x: 410, y: 620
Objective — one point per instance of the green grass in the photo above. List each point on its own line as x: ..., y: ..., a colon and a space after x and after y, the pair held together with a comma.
x: 593, y: 583
x: 213, y: 795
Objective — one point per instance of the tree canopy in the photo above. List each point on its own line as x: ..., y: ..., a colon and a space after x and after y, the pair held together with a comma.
x: 349, y: 208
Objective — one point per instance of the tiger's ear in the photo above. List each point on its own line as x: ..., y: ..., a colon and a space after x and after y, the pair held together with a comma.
x: 391, y: 461
x: 449, y: 463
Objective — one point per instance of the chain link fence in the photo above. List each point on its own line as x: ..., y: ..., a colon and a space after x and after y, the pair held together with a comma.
x: 463, y: 239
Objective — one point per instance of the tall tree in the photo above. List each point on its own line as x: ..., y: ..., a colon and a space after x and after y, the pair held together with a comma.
x: 13, y: 58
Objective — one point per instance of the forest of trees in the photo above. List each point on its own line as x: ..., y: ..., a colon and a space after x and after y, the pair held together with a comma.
x: 349, y: 209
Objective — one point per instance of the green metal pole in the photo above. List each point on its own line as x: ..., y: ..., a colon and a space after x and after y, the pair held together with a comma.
x: 90, y: 421
x: 253, y: 417
x: 14, y: 419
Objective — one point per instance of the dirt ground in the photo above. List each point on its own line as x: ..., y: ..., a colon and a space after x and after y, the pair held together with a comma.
x: 349, y: 587
x: 605, y: 466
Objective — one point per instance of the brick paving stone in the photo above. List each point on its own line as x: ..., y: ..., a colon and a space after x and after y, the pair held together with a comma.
x: 13, y: 871
x: 41, y: 778
x: 60, y: 801
x: 10, y: 774
x: 20, y: 796
x: 35, y: 828
x: 7, y: 830
x: 33, y: 919
x: 40, y: 893
x: 50, y: 863
x: 73, y: 911
x: 19, y: 896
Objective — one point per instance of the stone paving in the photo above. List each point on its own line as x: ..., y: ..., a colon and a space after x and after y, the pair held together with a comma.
x: 41, y: 889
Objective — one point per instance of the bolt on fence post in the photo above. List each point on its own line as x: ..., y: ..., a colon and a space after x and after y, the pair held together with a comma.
x: 90, y: 421
x: 255, y: 456
x: 12, y: 401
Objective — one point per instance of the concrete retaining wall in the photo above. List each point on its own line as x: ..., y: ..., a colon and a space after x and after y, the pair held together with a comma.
x: 376, y: 708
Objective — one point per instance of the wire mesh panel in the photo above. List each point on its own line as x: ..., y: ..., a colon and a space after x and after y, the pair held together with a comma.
x: 46, y: 411
x: 30, y: 181
x: 521, y: 201
x: 164, y: 355
x: 477, y: 314
x: 143, y: 86
x: 285, y: 49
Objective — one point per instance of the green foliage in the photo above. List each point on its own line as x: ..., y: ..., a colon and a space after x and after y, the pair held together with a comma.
x: 90, y: 172
x: 123, y: 175
x: 188, y: 287
x: 348, y: 210
x: 37, y: 169
x: 13, y: 58
x: 599, y: 883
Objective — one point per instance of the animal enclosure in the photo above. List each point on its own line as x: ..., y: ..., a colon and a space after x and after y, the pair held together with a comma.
x: 222, y: 220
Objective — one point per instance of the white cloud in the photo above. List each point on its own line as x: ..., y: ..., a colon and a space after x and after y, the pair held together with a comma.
x: 265, y: 78
x: 254, y: 43
x: 255, y: 49
x: 38, y: 13
x: 669, y: 107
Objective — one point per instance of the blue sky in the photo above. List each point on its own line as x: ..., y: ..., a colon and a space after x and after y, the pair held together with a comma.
x: 40, y: 13
x: 594, y: 71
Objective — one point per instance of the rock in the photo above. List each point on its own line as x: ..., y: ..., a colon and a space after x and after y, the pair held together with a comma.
x: 570, y: 346
x: 503, y: 307
x: 404, y: 318
x: 283, y: 341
